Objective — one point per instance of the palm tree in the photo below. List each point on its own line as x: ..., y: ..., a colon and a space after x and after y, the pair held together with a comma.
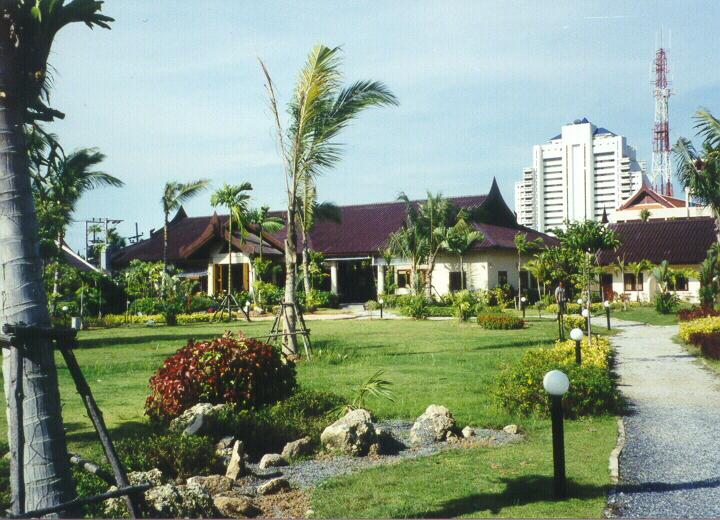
x: 540, y: 269
x: 263, y: 221
x: 310, y: 212
x: 319, y: 110
x: 436, y: 216
x: 699, y: 171
x: 27, y: 30
x: 460, y: 238
x: 409, y: 242
x: 235, y: 199
x: 523, y: 246
x: 174, y: 195
x: 637, y: 268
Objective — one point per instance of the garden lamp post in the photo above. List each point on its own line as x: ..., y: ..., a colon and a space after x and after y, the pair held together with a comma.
x: 580, y: 302
x: 606, y: 304
x: 577, y: 335
x: 556, y: 384
x: 381, y: 302
x: 523, y: 301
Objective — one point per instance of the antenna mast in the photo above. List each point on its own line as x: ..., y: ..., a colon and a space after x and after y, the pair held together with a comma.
x: 661, y: 165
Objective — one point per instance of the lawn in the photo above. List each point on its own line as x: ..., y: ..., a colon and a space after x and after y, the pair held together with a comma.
x: 441, y: 362
x: 646, y: 315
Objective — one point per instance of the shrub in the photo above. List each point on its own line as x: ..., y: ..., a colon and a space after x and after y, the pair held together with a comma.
x: 240, y: 371
x: 416, y: 307
x: 666, y: 303
x: 499, y: 321
x: 318, y: 298
x: 177, y: 456
x: 201, y: 303
x: 699, y: 326
x: 464, y: 305
x: 147, y: 306
x: 574, y: 321
x: 372, y: 305
x: 269, y: 429
x: 570, y: 308
x: 267, y: 294
x: 696, y: 312
x: 519, y: 388
x: 439, y: 311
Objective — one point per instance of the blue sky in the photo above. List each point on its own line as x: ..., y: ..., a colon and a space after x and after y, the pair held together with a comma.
x: 174, y: 90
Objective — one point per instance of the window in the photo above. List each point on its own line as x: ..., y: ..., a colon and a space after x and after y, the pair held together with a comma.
x: 502, y: 278
x: 640, y: 282
x: 455, y: 281
x: 680, y: 284
x: 629, y: 282
x: 403, y: 279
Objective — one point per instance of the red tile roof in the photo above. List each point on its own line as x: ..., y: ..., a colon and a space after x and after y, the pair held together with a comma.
x: 679, y: 241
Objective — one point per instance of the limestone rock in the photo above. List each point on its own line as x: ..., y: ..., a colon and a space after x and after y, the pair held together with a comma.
x: 194, y: 419
x: 236, y: 466
x: 297, y: 448
x: 468, y: 432
x: 272, y: 460
x: 512, y: 429
x: 214, y: 484
x: 235, y: 507
x: 432, y: 426
x: 274, y: 486
x: 115, y: 507
x: 224, y: 447
x: 352, y: 434
x: 170, y: 501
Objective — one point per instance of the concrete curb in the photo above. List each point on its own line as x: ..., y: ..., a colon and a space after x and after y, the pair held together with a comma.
x: 614, y: 463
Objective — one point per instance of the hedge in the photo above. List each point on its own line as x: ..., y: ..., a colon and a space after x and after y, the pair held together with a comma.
x: 499, y: 322
x: 707, y: 325
x: 519, y: 387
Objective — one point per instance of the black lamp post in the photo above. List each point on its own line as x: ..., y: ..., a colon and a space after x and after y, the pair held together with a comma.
x: 556, y: 383
x: 606, y: 304
x: 381, y: 302
x: 523, y: 302
x: 577, y: 335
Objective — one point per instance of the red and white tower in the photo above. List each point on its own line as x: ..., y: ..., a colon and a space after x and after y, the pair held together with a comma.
x: 661, y: 165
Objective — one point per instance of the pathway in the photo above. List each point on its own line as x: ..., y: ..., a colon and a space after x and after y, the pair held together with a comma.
x: 670, y: 465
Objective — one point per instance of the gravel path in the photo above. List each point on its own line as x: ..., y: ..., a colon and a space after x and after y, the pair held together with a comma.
x: 670, y: 466
x: 309, y: 473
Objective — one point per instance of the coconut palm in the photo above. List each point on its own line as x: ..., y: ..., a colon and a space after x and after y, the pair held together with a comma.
x: 263, y: 221
x: 235, y: 199
x: 410, y: 242
x: 540, y: 269
x: 637, y: 268
x: 175, y: 195
x: 27, y: 31
x: 524, y: 246
x: 460, y: 238
x: 318, y: 111
x: 699, y: 171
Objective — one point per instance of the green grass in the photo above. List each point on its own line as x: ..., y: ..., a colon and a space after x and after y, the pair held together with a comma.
x: 646, y: 315
x: 442, y: 362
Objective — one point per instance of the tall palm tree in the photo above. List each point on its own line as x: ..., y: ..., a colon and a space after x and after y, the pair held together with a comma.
x: 699, y: 171
x: 27, y: 31
x: 318, y: 111
x: 310, y: 212
x: 460, y: 238
x: 540, y: 269
x: 263, y: 221
x: 637, y: 268
x: 175, y: 195
x: 235, y: 199
x: 524, y: 246
x: 409, y: 242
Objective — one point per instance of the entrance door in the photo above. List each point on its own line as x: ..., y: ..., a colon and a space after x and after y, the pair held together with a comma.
x: 606, y: 282
x: 356, y: 281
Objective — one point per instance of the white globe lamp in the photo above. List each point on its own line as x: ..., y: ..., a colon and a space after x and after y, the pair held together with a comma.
x: 556, y: 383
x: 576, y: 334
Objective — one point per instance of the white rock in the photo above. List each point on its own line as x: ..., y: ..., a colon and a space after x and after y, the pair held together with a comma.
x: 512, y: 429
x: 272, y: 460
x: 432, y: 426
x: 273, y: 486
x: 468, y: 432
x: 352, y: 434
x: 236, y: 466
x: 297, y: 448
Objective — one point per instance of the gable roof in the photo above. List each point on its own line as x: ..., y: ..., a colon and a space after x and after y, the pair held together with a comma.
x: 679, y: 241
x: 646, y: 196
x: 364, y: 229
x: 187, y: 236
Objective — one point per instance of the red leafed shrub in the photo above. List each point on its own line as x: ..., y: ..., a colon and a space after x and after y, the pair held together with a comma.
x: 241, y: 371
x: 696, y: 312
x: 499, y: 321
x: 709, y: 343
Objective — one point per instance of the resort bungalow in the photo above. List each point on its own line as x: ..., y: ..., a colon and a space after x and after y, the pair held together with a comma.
x: 352, y: 248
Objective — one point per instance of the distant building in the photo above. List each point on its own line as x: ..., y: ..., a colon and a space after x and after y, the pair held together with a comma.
x: 580, y: 173
x: 658, y: 206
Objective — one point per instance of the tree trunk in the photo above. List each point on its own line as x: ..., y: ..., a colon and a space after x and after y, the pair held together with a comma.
x: 462, y: 274
x: 46, y: 469
x: 517, y: 303
x: 289, y: 317
x: 230, y: 262
x: 165, y: 247
x: 261, y: 240
x: 305, y: 263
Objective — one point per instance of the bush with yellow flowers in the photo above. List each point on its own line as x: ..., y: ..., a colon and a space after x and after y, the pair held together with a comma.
x: 519, y: 387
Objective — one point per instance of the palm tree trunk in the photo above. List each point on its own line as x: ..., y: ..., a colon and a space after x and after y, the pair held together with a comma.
x: 305, y: 262
x: 165, y: 248
x: 261, y: 240
x: 462, y: 274
x: 289, y: 316
x: 230, y: 262
x: 47, y: 476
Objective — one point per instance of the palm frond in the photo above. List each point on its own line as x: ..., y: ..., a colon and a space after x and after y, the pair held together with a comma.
x: 708, y: 127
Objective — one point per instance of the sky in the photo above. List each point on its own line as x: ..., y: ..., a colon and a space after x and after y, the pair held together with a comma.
x: 175, y: 92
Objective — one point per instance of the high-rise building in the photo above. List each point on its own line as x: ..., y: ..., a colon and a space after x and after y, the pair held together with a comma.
x: 578, y: 175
